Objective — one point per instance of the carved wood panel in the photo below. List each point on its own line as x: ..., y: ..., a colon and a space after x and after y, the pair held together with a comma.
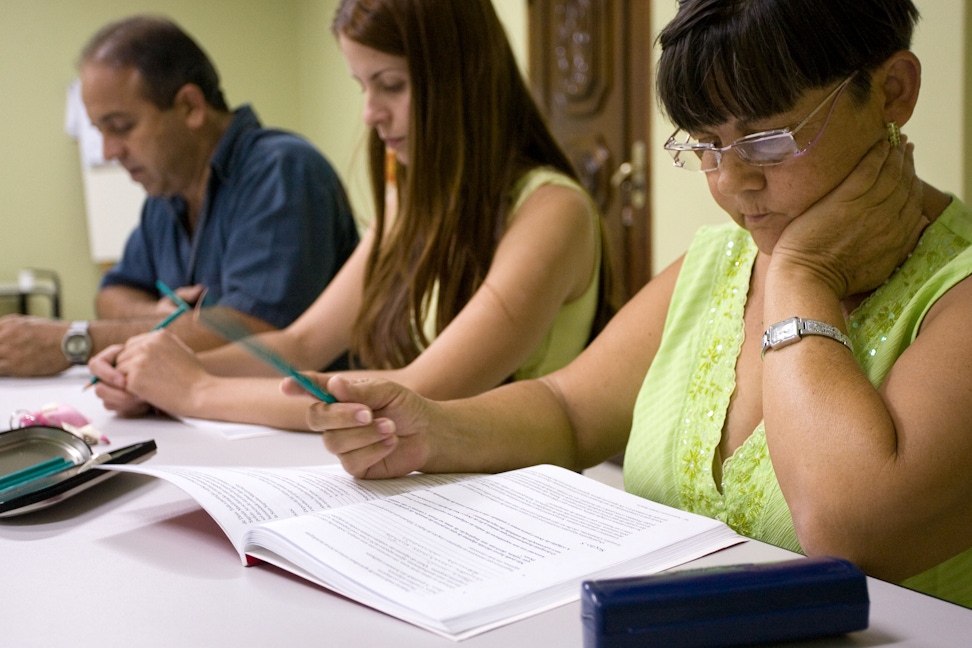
x: 589, y: 72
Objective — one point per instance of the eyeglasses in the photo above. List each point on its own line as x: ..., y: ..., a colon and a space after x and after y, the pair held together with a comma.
x: 766, y: 148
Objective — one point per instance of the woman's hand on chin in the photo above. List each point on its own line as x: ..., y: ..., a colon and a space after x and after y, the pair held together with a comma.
x: 854, y: 237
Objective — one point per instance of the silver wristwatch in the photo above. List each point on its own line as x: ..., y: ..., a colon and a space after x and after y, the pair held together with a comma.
x: 792, y: 330
x: 76, y: 343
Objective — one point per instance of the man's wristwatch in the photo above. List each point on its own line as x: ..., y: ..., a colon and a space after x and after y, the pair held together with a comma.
x: 792, y: 330
x: 76, y: 343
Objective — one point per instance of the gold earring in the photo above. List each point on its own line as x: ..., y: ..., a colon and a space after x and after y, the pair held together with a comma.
x: 894, y: 134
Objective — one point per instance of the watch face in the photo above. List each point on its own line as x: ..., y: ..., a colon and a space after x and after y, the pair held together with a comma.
x: 76, y: 345
x: 785, y: 330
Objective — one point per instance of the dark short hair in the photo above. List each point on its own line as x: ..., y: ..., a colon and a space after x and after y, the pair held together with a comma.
x: 166, y: 57
x: 751, y: 59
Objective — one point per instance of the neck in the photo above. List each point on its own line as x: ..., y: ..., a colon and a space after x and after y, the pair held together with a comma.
x: 209, y: 137
x: 933, y: 201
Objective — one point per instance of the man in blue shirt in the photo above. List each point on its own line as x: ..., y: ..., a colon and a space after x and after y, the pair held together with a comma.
x: 253, y: 219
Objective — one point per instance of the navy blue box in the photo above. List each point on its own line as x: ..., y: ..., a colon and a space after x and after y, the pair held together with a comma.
x: 737, y: 605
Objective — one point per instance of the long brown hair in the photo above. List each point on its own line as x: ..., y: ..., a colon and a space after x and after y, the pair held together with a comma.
x: 474, y: 130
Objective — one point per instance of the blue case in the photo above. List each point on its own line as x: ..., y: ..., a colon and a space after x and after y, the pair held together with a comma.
x: 736, y: 605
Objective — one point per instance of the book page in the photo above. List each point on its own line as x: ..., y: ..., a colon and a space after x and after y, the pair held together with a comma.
x: 238, y: 498
x: 448, y: 557
x: 232, y: 431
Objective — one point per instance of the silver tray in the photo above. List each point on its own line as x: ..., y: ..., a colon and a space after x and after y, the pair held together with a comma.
x: 29, y: 446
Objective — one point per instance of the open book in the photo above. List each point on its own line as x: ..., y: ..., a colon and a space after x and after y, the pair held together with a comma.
x: 455, y: 554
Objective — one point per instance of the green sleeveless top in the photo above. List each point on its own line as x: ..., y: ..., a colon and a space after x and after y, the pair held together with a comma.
x: 571, y: 328
x: 680, y: 411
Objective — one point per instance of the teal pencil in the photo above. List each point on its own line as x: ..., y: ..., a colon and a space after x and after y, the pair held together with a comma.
x: 36, y: 471
x: 171, y: 318
x: 168, y: 292
x: 234, y: 331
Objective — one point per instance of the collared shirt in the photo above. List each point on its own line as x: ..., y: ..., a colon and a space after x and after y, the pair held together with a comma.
x: 275, y: 228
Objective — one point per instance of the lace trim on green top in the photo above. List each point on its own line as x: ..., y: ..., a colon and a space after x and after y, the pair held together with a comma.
x: 749, y: 494
x: 871, y: 325
x: 712, y: 383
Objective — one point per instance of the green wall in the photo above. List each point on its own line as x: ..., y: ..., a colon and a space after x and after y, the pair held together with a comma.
x: 260, y: 47
x: 278, y: 55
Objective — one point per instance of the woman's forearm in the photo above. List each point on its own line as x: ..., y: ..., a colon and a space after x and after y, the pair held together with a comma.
x: 830, y: 434
x: 510, y: 427
x: 253, y: 400
x: 235, y: 360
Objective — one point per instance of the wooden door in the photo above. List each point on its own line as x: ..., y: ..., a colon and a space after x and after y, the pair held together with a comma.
x: 590, y: 71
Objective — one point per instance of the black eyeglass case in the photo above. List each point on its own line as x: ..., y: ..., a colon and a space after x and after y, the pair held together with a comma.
x: 737, y: 605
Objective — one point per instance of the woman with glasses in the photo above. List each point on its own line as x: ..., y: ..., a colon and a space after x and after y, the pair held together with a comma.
x: 803, y: 373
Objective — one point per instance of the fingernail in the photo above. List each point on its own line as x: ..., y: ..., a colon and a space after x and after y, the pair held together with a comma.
x: 386, y: 427
x: 363, y: 417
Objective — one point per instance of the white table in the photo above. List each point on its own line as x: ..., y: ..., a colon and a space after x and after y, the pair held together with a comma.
x: 135, y: 562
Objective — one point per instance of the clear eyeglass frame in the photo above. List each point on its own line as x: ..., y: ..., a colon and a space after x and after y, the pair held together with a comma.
x: 766, y: 148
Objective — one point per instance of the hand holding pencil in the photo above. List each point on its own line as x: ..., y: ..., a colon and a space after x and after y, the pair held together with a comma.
x: 234, y: 331
x: 155, y: 368
x: 159, y: 369
x: 181, y: 307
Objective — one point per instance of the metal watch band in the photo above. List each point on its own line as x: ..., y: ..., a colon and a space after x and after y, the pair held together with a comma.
x: 792, y: 330
x: 76, y: 343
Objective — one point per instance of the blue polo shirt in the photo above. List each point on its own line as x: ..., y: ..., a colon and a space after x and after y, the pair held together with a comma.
x: 275, y: 228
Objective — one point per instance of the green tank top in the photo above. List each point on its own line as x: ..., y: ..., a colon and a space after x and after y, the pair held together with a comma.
x: 571, y: 328
x: 680, y: 410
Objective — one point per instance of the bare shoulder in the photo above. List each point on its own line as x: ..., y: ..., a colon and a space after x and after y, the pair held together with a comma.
x: 943, y: 345
x: 565, y: 205
x: 948, y: 319
x: 928, y: 387
x: 553, y: 236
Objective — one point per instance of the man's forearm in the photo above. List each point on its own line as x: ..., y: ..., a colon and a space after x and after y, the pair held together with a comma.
x: 125, y: 302
x: 194, y: 334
